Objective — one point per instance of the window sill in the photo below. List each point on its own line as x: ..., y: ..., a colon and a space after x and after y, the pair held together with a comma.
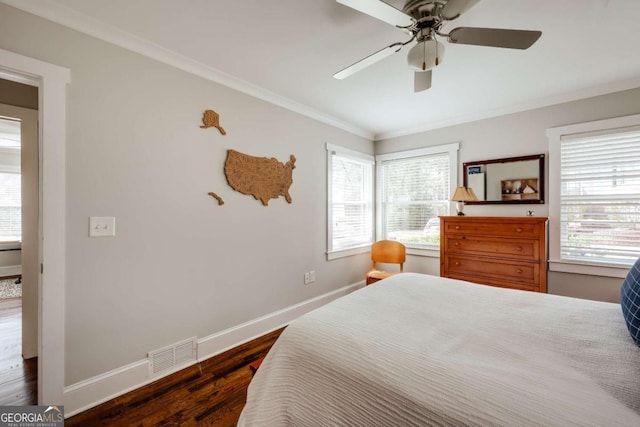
x: 603, y: 270
x: 348, y: 252
x: 10, y: 246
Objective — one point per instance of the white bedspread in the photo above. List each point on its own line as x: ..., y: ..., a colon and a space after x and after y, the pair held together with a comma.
x: 418, y: 350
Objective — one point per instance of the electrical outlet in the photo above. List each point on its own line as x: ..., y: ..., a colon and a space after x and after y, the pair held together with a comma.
x: 309, y: 277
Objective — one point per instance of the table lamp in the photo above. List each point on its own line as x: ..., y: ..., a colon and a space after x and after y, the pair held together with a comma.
x: 462, y: 195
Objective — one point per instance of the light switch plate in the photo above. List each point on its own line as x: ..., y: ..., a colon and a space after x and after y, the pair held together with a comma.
x: 102, y: 226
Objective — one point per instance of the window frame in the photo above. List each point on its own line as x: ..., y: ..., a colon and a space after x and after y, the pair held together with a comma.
x: 554, y: 136
x: 10, y: 169
x: 452, y: 150
x: 364, y: 158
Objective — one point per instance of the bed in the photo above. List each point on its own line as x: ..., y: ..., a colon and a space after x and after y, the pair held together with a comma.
x: 419, y: 350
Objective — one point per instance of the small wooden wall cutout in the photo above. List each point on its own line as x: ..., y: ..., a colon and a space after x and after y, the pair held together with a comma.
x: 211, y: 119
x: 218, y: 198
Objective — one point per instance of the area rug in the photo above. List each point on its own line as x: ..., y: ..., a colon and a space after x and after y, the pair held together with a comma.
x: 10, y: 289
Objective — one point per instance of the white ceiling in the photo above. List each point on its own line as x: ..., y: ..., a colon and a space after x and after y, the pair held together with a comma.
x: 286, y: 51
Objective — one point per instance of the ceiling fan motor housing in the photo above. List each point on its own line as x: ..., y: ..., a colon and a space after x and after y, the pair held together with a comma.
x: 422, y: 8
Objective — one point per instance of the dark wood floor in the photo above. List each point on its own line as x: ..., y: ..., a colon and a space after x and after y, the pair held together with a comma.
x: 210, y: 393
x: 18, y: 377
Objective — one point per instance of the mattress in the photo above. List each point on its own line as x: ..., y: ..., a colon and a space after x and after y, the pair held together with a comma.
x: 419, y: 350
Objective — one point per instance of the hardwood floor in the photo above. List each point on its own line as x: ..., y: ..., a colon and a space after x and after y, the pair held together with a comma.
x: 210, y: 393
x: 18, y: 377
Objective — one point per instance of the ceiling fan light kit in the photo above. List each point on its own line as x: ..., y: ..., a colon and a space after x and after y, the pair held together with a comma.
x: 425, y: 55
x: 423, y: 20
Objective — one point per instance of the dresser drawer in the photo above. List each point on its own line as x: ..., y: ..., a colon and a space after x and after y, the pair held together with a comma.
x: 492, y: 268
x: 511, y: 284
x: 510, y: 229
x: 521, y: 249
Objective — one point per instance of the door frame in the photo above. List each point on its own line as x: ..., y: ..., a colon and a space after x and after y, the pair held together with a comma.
x: 51, y: 81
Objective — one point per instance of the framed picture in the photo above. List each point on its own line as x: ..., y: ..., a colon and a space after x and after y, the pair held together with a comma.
x: 473, y: 169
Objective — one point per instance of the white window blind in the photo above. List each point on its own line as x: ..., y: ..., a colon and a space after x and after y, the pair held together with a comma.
x: 350, y: 196
x: 600, y: 197
x: 10, y: 207
x: 415, y: 188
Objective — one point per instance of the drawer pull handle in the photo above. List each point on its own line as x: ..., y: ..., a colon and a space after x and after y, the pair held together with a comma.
x: 519, y: 248
x: 457, y: 243
x: 457, y: 227
x: 519, y: 271
x: 519, y: 230
x: 457, y: 263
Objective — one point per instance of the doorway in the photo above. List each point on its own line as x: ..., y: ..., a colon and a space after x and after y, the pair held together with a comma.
x: 51, y: 81
x: 19, y: 230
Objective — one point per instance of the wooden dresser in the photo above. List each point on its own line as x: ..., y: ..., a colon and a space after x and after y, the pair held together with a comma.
x: 509, y: 252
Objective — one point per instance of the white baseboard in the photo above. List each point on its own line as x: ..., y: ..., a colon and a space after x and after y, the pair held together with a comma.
x: 86, y: 394
x: 11, y: 270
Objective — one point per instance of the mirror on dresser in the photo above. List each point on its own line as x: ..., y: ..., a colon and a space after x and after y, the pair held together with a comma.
x: 509, y: 180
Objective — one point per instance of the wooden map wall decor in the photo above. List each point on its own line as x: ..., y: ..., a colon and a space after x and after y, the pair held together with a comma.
x: 261, y: 177
x: 218, y: 198
x: 211, y: 119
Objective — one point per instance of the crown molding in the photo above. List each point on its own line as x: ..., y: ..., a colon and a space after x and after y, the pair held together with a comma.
x: 52, y: 11
x: 75, y: 20
x: 577, y: 95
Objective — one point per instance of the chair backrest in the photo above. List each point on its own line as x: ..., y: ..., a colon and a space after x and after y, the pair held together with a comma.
x: 388, y: 252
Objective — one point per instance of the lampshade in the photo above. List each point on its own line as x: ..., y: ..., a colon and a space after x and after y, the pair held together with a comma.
x: 471, y: 193
x: 463, y: 194
x: 423, y: 55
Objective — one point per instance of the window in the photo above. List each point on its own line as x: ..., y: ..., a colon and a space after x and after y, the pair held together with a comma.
x: 10, y: 210
x: 350, y: 201
x: 10, y: 184
x: 597, y: 206
x: 414, y: 188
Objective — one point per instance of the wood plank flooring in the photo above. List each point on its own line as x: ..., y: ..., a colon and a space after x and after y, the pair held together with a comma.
x: 18, y: 377
x: 210, y: 393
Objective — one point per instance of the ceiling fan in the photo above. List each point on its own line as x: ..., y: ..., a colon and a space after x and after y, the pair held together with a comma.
x: 423, y: 21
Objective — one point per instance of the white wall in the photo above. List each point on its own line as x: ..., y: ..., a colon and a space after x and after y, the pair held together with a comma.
x: 518, y: 135
x: 180, y: 265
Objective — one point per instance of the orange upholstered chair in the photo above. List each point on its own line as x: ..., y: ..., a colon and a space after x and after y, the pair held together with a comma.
x: 386, y: 252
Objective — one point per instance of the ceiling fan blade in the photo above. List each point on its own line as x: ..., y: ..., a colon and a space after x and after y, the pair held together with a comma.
x: 455, y: 8
x: 380, y: 10
x: 369, y: 60
x: 421, y: 80
x: 494, y: 37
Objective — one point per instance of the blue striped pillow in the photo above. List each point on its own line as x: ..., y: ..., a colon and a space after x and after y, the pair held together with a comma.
x: 630, y: 301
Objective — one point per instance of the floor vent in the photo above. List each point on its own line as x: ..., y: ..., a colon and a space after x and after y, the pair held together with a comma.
x: 172, y: 357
